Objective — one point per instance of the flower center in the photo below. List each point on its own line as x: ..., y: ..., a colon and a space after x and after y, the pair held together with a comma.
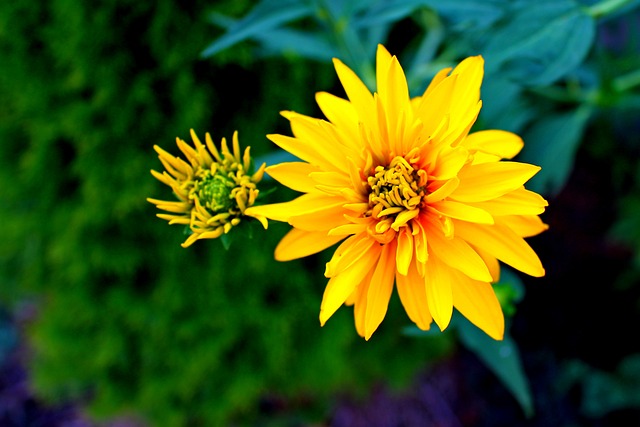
x: 213, y: 190
x: 396, y: 195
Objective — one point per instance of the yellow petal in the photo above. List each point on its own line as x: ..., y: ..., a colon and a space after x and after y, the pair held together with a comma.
x: 439, y: 190
x: 467, y: 91
x: 491, y: 262
x: 318, y: 135
x: 323, y: 218
x: 459, y: 129
x: 383, y: 61
x: 500, y: 143
x: 477, y: 302
x: 462, y: 211
x: 404, y: 252
x: 331, y: 179
x: 342, y: 285
x: 449, y: 163
x: 457, y: 254
x: 357, y: 92
x: 413, y: 295
x: 380, y: 288
x: 394, y: 93
x: 304, y: 204
x: 348, y: 229
x: 517, y: 202
x: 360, y: 303
x: 297, y: 244
x: 480, y: 157
x: 294, y: 175
x: 487, y: 181
x: 420, y: 241
x: 503, y: 243
x: 524, y: 225
x: 341, y: 113
x: 436, y: 104
x: 438, y: 289
x: 348, y: 253
x: 304, y: 150
x: 440, y: 75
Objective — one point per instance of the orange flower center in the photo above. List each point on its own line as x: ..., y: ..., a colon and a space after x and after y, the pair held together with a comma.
x: 395, y: 197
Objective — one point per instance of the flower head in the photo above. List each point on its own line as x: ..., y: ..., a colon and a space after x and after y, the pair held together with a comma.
x: 214, y: 189
x: 417, y: 199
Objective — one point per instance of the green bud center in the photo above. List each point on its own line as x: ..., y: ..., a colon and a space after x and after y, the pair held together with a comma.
x: 214, y: 192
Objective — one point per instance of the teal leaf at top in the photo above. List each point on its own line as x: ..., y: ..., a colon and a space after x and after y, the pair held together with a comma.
x: 541, y: 42
x: 304, y: 44
x: 458, y: 12
x: 266, y: 15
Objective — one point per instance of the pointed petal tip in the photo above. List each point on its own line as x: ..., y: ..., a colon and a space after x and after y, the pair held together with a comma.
x: 322, y: 318
x: 442, y: 323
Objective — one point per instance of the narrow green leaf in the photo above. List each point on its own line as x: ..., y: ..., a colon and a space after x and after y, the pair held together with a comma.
x: 470, y: 13
x: 305, y: 44
x: 266, y: 15
x: 386, y: 12
x: 502, y: 358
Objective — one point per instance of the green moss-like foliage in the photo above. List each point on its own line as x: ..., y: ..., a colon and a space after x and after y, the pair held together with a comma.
x: 128, y: 321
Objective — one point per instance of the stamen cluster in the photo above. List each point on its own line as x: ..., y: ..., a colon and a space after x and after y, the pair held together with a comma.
x: 396, y: 195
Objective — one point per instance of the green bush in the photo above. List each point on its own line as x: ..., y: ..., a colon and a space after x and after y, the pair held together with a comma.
x: 128, y: 320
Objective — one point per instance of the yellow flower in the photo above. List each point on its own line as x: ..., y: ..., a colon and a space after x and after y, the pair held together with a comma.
x: 214, y: 189
x: 419, y: 200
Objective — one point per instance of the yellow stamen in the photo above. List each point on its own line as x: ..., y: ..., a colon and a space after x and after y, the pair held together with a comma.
x: 396, y: 196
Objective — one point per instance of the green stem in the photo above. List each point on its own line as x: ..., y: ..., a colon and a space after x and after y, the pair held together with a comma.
x: 606, y: 7
x: 626, y: 81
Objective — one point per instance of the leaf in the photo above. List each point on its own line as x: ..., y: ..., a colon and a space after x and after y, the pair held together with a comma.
x: 306, y: 44
x: 602, y: 391
x: 458, y: 12
x: 466, y: 14
x: 266, y: 15
x: 540, y: 44
x: 502, y: 358
x: 504, y: 106
x: 389, y: 11
x: 552, y: 143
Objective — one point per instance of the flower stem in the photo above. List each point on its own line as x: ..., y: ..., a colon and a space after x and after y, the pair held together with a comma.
x: 607, y: 7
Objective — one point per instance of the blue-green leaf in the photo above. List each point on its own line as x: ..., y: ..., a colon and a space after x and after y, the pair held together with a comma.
x: 552, y: 144
x: 266, y: 15
x: 504, y: 106
x: 541, y: 42
x: 458, y: 12
x: 305, y: 44
x: 470, y: 13
x: 502, y: 358
x: 603, y: 391
x: 388, y: 11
